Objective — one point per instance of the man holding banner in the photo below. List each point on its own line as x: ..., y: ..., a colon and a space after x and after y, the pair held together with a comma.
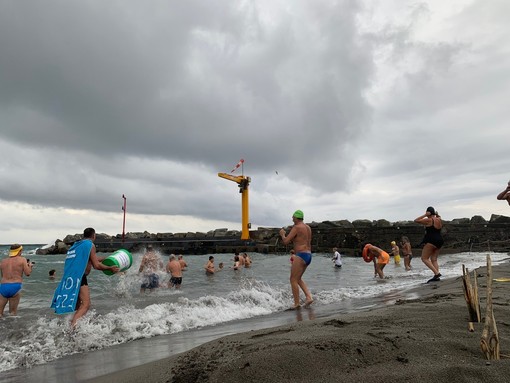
x: 72, y: 293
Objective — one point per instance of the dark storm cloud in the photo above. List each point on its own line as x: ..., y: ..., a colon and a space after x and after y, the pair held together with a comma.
x: 194, y: 82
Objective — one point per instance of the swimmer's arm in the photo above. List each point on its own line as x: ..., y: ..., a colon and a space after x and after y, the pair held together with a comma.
x: 142, y: 265
x: 96, y: 262
x: 27, y: 267
x: 505, y: 194
x: 423, y: 220
x: 287, y: 239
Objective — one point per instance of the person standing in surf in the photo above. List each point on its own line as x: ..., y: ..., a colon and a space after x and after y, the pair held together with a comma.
x: 12, y: 270
x: 433, y: 241
x: 150, y: 266
x: 301, y: 236
x: 337, y: 258
x: 380, y: 258
x: 209, y: 267
x: 407, y: 251
x: 395, y: 251
x: 247, y: 260
x: 174, y: 268
x: 72, y: 293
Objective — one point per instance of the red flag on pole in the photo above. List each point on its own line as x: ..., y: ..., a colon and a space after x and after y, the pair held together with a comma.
x: 238, y: 165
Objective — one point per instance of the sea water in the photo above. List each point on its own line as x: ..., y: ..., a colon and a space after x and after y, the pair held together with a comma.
x: 120, y: 313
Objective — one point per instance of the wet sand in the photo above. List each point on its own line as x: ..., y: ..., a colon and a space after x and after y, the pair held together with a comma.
x: 416, y: 340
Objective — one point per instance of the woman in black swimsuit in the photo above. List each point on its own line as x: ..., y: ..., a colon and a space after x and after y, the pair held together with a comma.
x: 433, y: 240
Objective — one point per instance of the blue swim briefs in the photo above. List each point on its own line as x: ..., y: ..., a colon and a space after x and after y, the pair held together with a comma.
x: 307, y: 257
x: 8, y: 290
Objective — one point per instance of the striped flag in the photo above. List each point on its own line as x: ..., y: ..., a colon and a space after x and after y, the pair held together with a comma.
x: 238, y: 165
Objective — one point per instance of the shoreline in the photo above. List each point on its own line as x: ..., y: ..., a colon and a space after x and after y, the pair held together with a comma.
x: 424, y: 338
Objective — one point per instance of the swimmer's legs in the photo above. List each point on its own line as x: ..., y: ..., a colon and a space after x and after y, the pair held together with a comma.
x: 3, y: 303
x: 13, y: 304
x: 429, y: 257
x: 83, y: 304
x: 296, y: 272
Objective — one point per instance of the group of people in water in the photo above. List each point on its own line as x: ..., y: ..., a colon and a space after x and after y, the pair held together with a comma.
x: 151, y: 265
x: 240, y: 261
x: 300, y: 235
x: 301, y: 256
x: 432, y: 243
x: 15, y: 266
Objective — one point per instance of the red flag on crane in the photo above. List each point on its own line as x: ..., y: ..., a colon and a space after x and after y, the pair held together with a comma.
x: 238, y: 165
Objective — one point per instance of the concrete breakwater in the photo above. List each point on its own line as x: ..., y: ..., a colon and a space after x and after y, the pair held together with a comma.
x: 463, y: 234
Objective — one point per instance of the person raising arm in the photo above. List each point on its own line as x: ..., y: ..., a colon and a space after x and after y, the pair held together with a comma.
x: 505, y: 194
x: 433, y: 241
x: 301, y: 236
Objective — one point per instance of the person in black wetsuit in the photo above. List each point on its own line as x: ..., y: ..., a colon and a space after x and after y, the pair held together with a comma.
x: 433, y: 240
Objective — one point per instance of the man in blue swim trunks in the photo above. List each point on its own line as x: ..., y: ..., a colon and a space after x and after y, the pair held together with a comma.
x: 12, y: 269
x: 301, y: 236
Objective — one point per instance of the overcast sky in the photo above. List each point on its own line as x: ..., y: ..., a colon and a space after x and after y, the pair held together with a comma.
x: 344, y: 109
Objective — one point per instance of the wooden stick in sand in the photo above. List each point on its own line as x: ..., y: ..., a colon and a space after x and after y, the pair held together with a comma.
x: 471, y: 296
x: 476, y: 297
x: 490, y: 338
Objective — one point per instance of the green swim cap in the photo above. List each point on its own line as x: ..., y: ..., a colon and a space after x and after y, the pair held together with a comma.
x: 298, y: 214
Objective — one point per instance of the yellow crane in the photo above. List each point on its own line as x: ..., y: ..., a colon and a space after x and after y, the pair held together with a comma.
x: 243, y: 183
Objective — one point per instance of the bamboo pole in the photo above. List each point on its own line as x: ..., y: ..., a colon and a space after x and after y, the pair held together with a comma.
x: 489, y: 341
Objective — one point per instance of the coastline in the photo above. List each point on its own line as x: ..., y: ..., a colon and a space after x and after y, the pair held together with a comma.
x: 424, y: 338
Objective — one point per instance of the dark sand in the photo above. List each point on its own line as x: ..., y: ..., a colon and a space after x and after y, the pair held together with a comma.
x: 419, y: 340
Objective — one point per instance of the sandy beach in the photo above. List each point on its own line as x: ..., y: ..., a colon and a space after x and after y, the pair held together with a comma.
x: 420, y: 339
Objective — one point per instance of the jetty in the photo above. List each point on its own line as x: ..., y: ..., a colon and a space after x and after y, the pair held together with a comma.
x: 460, y: 235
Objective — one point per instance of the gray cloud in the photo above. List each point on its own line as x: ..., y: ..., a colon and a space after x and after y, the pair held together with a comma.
x: 96, y: 77
x: 364, y: 109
